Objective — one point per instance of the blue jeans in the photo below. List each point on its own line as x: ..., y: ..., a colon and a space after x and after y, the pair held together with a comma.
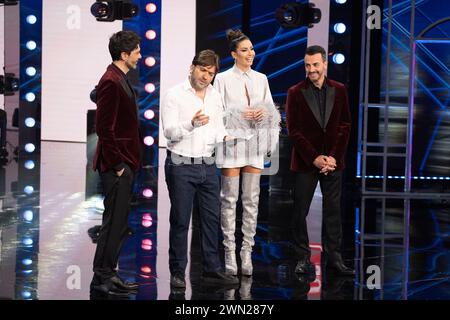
x: 184, y: 181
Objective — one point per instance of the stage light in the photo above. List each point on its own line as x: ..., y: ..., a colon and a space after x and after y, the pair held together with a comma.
x: 338, y: 58
x: 147, y: 244
x: 26, y: 294
x: 31, y: 45
x: 29, y: 164
x: 149, y: 114
x: 149, y: 140
x: 147, y: 223
x: 150, y: 8
x: 150, y: 61
x: 150, y: 87
x: 28, y: 189
x: 146, y: 269
x: 30, y: 96
x: 30, y: 71
x: 101, y: 10
x: 30, y: 122
x: 147, y: 220
x: 111, y: 10
x: 27, y: 241
x: 29, y: 147
x: 147, y: 216
x: 294, y: 15
x: 27, y: 262
x: 28, y: 215
x: 340, y: 1
x: 150, y: 34
x: 339, y: 27
x: 147, y: 193
x: 31, y: 19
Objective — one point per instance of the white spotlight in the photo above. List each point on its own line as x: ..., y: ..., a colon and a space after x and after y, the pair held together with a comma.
x: 31, y: 71
x: 338, y: 58
x: 29, y: 164
x: 30, y: 122
x: 29, y: 147
x: 31, y: 19
x: 339, y: 27
x: 31, y: 45
x: 30, y: 96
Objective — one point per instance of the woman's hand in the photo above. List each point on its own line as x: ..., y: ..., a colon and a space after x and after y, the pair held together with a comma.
x: 258, y: 115
x: 253, y: 114
x: 248, y: 114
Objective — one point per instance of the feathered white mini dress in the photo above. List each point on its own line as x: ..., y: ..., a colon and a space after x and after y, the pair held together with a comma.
x: 240, y: 90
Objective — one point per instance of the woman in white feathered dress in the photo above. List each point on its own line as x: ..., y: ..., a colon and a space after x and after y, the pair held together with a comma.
x: 251, y: 116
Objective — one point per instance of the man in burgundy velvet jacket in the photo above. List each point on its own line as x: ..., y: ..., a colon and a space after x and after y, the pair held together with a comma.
x: 117, y: 158
x: 318, y: 120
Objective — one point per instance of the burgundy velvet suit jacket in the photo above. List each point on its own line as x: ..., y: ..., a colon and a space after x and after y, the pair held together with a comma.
x: 308, y: 137
x: 117, y: 123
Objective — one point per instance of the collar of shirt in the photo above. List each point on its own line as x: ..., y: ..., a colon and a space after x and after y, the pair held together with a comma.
x: 241, y: 73
x: 324, y: 85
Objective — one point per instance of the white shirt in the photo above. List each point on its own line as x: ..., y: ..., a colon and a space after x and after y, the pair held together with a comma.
x: 231, y: 85
x: 178, y: 107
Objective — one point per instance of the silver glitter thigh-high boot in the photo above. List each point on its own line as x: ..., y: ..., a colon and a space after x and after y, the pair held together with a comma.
x: 250, y: 201
x: 229, y: 194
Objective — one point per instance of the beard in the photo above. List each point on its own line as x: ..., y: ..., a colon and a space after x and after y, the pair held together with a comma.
x: 314, y: 76
x: 131, y: 65
x: 197, y: 84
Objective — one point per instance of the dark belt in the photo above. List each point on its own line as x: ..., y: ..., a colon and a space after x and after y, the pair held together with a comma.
x: 179, y: 159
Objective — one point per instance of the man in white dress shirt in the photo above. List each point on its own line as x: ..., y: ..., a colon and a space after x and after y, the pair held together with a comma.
x: 192, y: 120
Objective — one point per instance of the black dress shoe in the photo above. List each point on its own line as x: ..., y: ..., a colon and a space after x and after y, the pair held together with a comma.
x: 130, y: 286
x: 304, y: 266
x: 177, y: 280
x: 107, y: 287
x: 220, y: 278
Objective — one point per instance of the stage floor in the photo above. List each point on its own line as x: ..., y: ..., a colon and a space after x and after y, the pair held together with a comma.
x: 46, y: 251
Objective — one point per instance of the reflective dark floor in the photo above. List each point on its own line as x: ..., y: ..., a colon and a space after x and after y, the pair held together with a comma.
x: 48, y: 210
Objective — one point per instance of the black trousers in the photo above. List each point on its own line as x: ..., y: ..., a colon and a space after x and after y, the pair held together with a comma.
x: 305, y: 185
x: 117, y: 191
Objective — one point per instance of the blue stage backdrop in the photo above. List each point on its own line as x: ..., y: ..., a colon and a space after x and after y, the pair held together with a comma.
x: 431, y: 135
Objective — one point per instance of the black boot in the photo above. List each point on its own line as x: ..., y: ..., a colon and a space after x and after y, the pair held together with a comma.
x: 335, y: 264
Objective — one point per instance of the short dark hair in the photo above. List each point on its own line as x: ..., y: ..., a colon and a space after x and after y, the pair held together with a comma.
x: 206, y: 58
x: 235, y: 37
x: 122, y: 41
x: 312, y: 50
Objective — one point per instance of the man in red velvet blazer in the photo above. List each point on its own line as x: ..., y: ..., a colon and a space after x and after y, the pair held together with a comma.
x: 318, y: 120
x: 117, y: 158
